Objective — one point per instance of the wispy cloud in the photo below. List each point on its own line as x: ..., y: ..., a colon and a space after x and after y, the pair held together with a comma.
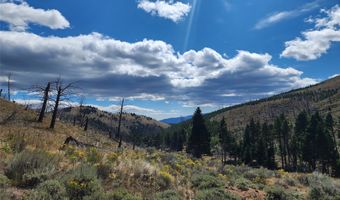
x: 174, y: 11
x: 284, y: 15
x: 318, y: 40
x: 19, y: 16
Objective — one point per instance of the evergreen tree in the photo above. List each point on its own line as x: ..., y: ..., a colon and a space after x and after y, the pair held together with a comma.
x: 270, y: 162
x: 247, y: 155
x: 298, y: 140
x: 199, y: 140
x: 310, y: 153
x: 329, y: 155
x: 227, y: 142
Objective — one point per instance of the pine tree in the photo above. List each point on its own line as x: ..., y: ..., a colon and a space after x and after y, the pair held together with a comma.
x: 227, y: 141
x: 270, y: 162
x: 309, y: 148
x: 330, y: 154
x: 199, y: 140
x: 298, y: 140
x: 247, y: 155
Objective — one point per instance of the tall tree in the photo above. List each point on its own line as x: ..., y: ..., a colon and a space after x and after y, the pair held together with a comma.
x: 199, y: 140
x: 310, y: 154
x: 278, y: 132
x: 247, y: 150
x: 9, y: 86
x: 63, y: 93
x: 119, y: 135
x: 298, y: 139
x: 45, y: 101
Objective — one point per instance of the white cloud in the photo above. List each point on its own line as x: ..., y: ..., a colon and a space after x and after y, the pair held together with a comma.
x: 316, y: 41
x: 174, y: 11
x: 333, y: 76
x: 283, y: 15
x: 19, y: 16
x: 147, y: 69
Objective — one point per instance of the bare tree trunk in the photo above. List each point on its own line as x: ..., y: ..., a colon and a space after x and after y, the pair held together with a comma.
x: 43, y: 108
x: 119, y: 124
x: 0, y: 92
x: 86, y: 124
x: 55, y: 111
x: 9, y: 87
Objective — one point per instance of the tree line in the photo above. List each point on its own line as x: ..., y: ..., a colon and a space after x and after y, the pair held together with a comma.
x: 307, y: 144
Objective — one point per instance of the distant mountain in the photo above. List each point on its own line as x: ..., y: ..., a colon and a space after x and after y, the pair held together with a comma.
x: 176, y: 120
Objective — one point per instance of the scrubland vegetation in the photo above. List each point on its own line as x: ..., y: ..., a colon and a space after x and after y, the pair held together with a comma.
x: 282, y: 159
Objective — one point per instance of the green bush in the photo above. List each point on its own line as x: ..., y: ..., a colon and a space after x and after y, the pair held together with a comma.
x: 320, y: 186
x: 206, y: 181
x: 29, y: 168
x: 92, y: 155
x: 279, y: 193
x: 215, y: 194
x: 51, y: 190
x: 4, y: 181
x: 104, y: 170
x: 81, y: 182
x: 168, y: 195
x: 4, y: 195
x: 242, y: 183
x: 121, y: 194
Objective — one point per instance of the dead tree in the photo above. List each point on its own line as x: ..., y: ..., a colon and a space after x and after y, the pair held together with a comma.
x: 0, y: 93
x: 63, y: 93
x: 45, y: 100
x: 86, y: 123
x: 119, y: 135
x: 9, y: 86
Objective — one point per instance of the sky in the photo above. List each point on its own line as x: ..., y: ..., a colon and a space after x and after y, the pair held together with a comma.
x: 167, y: 57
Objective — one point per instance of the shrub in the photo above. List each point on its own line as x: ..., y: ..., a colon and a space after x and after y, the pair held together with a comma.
x: 242, y: 183
x: 279, y: 193
x: 322, y: 187
x: 215, y: 194
x: 4, y: 195
x: 168, y: 195
x: 51, y: 189
x: 103, y: 171
x: 82, y: 181
x: 121, y: 194
x: 165, y: 179
x: 29, y: 168
x: 4, y: 181
x: 206, y: 181
x: 287, y: 181
x: 92, y: 155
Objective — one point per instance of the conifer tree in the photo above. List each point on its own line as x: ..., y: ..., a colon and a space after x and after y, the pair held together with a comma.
x: 298, y: 139
x: 227, y: 141
x: 199, y: 140
x: 247, y: 155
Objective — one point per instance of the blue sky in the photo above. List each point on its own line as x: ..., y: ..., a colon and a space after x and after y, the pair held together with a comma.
x: 168, y: 57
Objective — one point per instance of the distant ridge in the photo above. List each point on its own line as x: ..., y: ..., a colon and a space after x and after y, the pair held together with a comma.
x: 176, y: 120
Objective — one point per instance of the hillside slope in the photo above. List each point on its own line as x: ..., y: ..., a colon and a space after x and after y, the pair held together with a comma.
x: 46, y: 171
x: 105, y: 122
x: 323, y: 97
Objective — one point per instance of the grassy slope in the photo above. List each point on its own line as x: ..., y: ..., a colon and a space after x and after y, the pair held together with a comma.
x: 101, y: 120
x: 142, y: 172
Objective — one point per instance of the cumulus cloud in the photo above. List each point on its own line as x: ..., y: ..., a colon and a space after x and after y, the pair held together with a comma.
x: 318, y: 40
x: 174, y: 11
x: 19, y: 16
x: 147, y: 69
x: 284, y: 15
